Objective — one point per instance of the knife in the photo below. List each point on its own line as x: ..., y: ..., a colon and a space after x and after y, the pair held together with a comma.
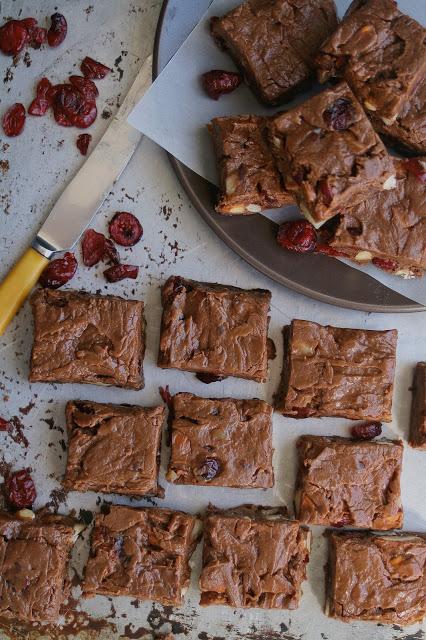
x: 79, y: 202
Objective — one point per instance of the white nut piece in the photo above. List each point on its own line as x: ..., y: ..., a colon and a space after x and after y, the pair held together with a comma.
x: 389, y: 121
x: 196, y: 531
x: 363, y: 256
x: 390, y: 183
x: 79, y: 527
x: 276, y: 142
x: 405, y: 273
x: 26, y: 514
x: 370, y: 106
x: 308, y: 540
x: 171, y: 476
x: 231, y: 184
x: 238, y: 209
x: 254, y: 208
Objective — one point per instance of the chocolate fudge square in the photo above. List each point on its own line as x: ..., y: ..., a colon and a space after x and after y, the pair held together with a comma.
x: 329, y: 371
x: 253, y: 557
x: 143, y: 553
x: 329, y: 154
x: 343, y: 482
x: 249, y: 179
x: 389, y: 227
x: 113, y: 448
x: 380, y: 52
x: 93, y: 339
x: 377, y: 577
x: 33, y: 566
x: 214, y: 329
x: 274, y: 42
x: 221, y: 442
x: 418, y: 408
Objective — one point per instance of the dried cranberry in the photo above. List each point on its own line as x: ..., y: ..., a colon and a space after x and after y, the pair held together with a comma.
x: 92, y: 69
x: 343, y: 522
x: 38, y: 107
x: 340, y: 115
x: 125, y: 229
x: 14, y: 120
x: 386, y: 265
x: 29, y: 23
x: 86, y: 116
x: 37, y: 37
x: 43, y: 87
x: 326, y: 192
x: 300, y: 175
x: 120, y: 272
x: 20, y: 489
x: 301, y: 412
x: 85, y: 86
x: 59, y: 272
x: 111, y: 252
x: 4, y: 425
x: 57, y: 31
x: 417, y: 168
x: 330, y: 251
x: 209, y: 469
x: 165, y: 395
x: 297, y: 235
x: 366, y: 430
x: 83, y: 142
x: 218, y: 82
x: 208, y: 378
x: 92, y: 247
x: 67, y: 102
x: 13, y: 37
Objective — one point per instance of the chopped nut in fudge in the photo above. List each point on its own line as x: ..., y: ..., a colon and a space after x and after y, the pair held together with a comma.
x: 353, y: 483
x: 377, y: 577
x: 417, y: 437
x: 330, y: 371
x: 221, y: 442
x: 274, y: 42
x: 214, y: 329
x: 113, y: 448
x: 253, y: 557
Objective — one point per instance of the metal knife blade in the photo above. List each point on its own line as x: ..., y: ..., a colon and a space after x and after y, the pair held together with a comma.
x: 83, y: 196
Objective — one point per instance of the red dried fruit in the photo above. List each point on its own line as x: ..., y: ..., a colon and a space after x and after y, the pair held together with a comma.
x: 43, y: 87
x: 93, y: 69
x: 85, y: 86
x: 300, y: 175
x: 14, y: 120
x: 38, y: 107
x: 13, y: 37
x: 326, y: 192
x: 29, y: 23
x: 366, y: 430
x: 208, y: 378
x: 417, y: 168
x: 297, y: 235
x: 37, y: 37
x: 209, y: 469
x: 20, y: 489
x: 92, y: 247
x: 57, y: 31
x: 4, y: 425
x: 86, y: 116
x: 59, y: 271
x: 111, y: 252
x: 386, y: 265
x: 330, y: 251
x: 340, y: 115
x: 125, y: 229
x: 83, y: 142
x: 301, y: 412
x: 343, y: 522
x: 120, y: 272
x: 218, y: 82
x: 165, y: 394
x: 70, y: 107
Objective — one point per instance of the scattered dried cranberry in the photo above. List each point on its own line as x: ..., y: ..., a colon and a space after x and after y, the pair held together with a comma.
x: 83, y: 142
x: 86, y: 116
x: 297, y: 235
x: 85, y: 86
x: 417, y: 168
x: 208, y: 378
x: 58, y: 30
x: 343, y: 522
x: 326, y: 192
x: 71, y: 108
x: 218, y: 82
x: 301, y: 412
x: 92, y: 69
x: 165, y: 394
x: 111, y: 252
x: 13, y: 37
x: 330, y: 251
x: 209, y: 469
x: 42, y: 101
x: 125, y: 229
x: 120, y: 272
x: 300, y: 175
x: 37, y: 36
x: 92, y: 247
x: 14, y: 120
x: 366, y: 430
x: 386, y: 265
x: 20, y: 489
x: 4, y: 425
x: 340, y: 115
x: 59, y: 272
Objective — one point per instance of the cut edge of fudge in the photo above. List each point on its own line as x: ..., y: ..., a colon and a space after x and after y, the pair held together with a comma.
x: 417, y: 436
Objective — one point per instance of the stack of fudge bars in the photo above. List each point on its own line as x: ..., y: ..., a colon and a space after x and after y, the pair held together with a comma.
x: 327, y: 154
x: 351, y: 486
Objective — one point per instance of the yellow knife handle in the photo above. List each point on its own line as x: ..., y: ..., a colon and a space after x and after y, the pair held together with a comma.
x: 17, y: 285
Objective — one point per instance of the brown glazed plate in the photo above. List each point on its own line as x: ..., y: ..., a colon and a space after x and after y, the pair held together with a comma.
x: 253, y: 237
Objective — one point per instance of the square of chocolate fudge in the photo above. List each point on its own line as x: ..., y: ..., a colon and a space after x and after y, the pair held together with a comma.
x: 214, y: 329
x: 274, y: 42
x: 143, y: 553
x: 221, y: 442
x: 388, y: 228
x: 113, y: 448
x: 329, y: 154
x: 253, y: 557
x: 34, y: 556
x: 377, y: 577
x: 418, y: 408
x: 87, y: 338
x: 249, y: 179
x: 329, y: 371
x: 380, y: 52
x: 354, y: 483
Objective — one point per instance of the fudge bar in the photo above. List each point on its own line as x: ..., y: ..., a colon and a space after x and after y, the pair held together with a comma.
x: 225, y: 443
x: 380, y: 52
x: 389, y: 227
x: 214, y: 329
x: 34, y: 564
x: 249, y: 180
x: 329, y: 154
x: 80, y: 337
x: 253, y: 557
x: 418, y: 408
x: 143, y: 553
x: 113, y: 448
x: 335, y: 372
x: 274, y: 42
x: 343, y: 482
x: 377, y: 577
